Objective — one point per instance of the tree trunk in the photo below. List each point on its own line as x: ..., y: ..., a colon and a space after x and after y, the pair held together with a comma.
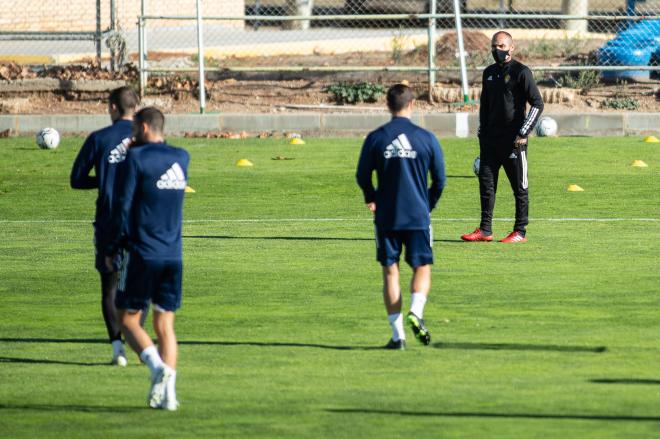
x: 575, y: 7
x: 298, y: 7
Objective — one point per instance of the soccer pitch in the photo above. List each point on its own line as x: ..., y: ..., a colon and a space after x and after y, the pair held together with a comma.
x: 282, y: 312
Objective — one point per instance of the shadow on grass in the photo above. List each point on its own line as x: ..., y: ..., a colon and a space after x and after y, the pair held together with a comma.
x: 440, y: 345
x: 181, y: 342
x: 53, y: 340
x: 71, y: 408
x: 498, y: 415
x: 277, y: 238
x: 45, y: 361
x: 281, y: 344
x: 642, y: 381
x: 293, y: 238
x: 519, y: 347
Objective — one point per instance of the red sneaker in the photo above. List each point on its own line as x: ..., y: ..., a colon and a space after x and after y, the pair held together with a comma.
x: 514, y: 237
x: 477, y: 235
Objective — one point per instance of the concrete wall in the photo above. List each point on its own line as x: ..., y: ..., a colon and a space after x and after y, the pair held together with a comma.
x: 335, y: 124
x: 80, y: 15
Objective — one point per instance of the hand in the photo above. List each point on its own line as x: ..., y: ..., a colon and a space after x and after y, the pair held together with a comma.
x: 372, y: 207
x: 109, y: 263
x: 520, y: 141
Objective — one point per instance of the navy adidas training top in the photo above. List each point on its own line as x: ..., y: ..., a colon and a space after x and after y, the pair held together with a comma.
x: 151, y: 187
x: 103, y: 150
x: 402, y: 154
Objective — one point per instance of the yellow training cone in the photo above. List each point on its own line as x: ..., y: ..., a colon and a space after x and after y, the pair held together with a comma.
x: 574, y: 188
x: 244, y: 162
x: 297, y: 141
x: 651, y: 139
x: 639, y: 164
x: 190, y: 190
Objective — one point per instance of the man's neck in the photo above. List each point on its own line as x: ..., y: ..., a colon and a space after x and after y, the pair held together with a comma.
x: 406, y: 115
x: 154, y: 139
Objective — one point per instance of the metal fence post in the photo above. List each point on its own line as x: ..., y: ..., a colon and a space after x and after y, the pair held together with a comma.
x: 461, y: 50
x: 113, y: 28
x: 501, y: 22
x: 97, y: 36
x: 141, y: 56
x: 431, y: 61
x: 144, y: 75
x: 200, y: 55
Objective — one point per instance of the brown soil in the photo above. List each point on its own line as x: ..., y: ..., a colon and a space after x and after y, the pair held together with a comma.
x: 263, y: 93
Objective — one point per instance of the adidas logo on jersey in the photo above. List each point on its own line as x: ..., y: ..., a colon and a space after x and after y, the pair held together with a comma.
x: 173, y: 178
x: 118, y: 154
x: 401, y: 148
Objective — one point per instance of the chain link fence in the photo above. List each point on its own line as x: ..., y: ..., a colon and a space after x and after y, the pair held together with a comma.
x: 336, y: 35
x: 394, y: 34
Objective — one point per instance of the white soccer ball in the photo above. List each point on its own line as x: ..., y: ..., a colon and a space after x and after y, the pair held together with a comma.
x: 547, y: 127
x: 475, y: 166
x: 48, y: 138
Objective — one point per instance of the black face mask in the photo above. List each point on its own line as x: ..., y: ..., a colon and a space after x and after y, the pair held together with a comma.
x: 500, y: 55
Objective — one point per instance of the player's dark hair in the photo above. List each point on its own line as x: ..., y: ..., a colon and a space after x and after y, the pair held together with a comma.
x: 152, y: 116
x: 124, y: 99
x: 398, y: 97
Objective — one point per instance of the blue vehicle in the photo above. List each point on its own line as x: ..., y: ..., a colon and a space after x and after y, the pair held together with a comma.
x: 634, y: 46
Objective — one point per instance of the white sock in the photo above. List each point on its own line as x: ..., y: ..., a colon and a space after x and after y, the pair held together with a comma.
x: 117, y: 348
x: 396, y: 322
x: 152, y: 359
x: 418, y: 300
x: 170, y: 391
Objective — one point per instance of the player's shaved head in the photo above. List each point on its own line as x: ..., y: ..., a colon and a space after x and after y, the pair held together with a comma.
x: 498, y: 36
x: 152, y: 117
x: 125, y: 100
x: 399, y: 96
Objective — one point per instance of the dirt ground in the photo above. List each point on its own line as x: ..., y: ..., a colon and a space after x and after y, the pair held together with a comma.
x: 267, y: 96
x: 229, y: 92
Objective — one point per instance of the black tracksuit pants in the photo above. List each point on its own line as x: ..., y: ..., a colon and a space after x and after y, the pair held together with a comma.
x: 495, y: 153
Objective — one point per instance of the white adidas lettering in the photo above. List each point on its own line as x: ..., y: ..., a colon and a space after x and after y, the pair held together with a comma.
x: 118, y: 154
x: 400, y: 147
x: 173, y: 178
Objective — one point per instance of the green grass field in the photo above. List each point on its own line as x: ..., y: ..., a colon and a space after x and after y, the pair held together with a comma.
x: 282, y: 312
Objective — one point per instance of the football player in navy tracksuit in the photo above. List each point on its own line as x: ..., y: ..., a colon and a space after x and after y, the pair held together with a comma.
x: 104, y: 151
x: 508, y: 86
x: 403, y: 155
x: 148, y: 226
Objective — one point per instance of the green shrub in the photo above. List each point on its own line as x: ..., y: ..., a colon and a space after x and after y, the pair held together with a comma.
x: 584, y: 81
x: 621, y: 103
x: 621, y: 100
x: 347, y: 93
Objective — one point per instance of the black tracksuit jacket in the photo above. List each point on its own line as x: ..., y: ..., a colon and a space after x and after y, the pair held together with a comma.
x: 506, y: 91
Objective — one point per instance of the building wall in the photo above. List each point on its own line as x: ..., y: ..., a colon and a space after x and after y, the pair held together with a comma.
x: 80, y: 15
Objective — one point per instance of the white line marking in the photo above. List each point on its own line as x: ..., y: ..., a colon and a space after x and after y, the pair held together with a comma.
x: 330, y: 220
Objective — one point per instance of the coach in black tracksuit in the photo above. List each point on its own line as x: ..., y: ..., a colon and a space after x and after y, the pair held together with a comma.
x: 504, y: 127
